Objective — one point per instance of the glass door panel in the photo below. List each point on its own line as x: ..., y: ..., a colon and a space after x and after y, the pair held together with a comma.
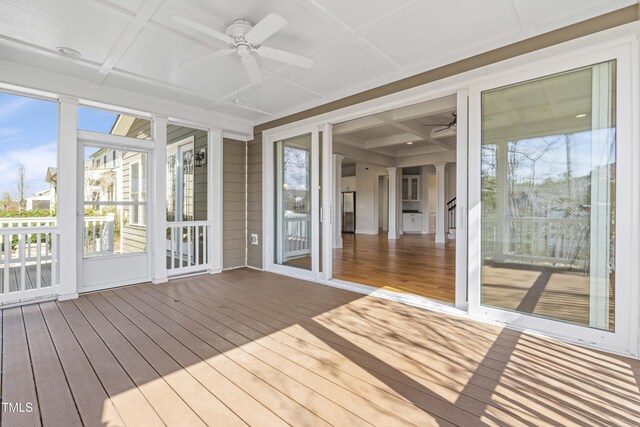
x: 548, y: 197
x: 115, y: 202
x: 294, y: 202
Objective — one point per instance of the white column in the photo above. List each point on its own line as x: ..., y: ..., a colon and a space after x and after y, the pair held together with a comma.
x: 393, y: 203
x: 214, y: 199
x: 337, y: 200
x: 158, y: 202
x: 424, y: 198
x: 70, y: 204
x: 440, y: 232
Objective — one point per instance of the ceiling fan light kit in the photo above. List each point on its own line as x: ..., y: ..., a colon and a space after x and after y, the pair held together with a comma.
x: 244, y: 40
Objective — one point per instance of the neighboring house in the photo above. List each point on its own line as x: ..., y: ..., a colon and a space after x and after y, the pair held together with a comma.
x: 41, y: 200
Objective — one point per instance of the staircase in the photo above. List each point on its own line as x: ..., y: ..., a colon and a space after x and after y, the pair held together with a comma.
x: 451, y: 215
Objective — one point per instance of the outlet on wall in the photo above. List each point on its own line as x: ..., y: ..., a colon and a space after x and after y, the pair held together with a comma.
x: 253, y: 239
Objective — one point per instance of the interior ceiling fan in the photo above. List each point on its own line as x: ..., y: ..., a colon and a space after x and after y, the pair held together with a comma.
x: 245, y: 40
x: 447, y: 125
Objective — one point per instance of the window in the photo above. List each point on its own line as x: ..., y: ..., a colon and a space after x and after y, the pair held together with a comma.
x: 136, y: 212
x: 103, y: 121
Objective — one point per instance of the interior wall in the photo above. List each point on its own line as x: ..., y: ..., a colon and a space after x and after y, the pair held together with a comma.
x: 366, y: 199
x: 348, y: 183
x: 234, y: 200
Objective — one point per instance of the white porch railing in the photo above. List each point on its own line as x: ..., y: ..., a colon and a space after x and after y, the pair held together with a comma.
x: 297, y: 235
x: 556, y: 241
x: 187, y: 247
x: 99, y: 233
x: 28, y: 263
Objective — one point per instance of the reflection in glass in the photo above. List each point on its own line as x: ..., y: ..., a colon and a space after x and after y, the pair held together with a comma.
x: 293, y: 202
x: 548, y: 197
x: 104, y: 121
x: 115, y: 201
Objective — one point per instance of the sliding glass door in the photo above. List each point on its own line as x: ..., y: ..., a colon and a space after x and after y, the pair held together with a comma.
x: 551, y: 158
x: 297, y: 205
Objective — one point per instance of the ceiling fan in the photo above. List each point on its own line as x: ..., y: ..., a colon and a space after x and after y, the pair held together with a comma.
x: 447, y: 125
x: 245, y: 40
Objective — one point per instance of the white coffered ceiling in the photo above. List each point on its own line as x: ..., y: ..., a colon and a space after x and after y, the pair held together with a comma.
x: 356, y: 45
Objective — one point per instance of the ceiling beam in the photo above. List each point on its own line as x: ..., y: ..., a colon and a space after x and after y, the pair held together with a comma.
x: 148, y: 9
x: 359, y: 154
x: 357, y: 125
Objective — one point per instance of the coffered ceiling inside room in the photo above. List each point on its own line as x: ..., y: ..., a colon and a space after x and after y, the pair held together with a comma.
x: 134, y: 45
x: 404, y: 132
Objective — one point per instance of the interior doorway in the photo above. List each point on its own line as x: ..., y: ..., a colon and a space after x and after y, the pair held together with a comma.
x: 402, y: 166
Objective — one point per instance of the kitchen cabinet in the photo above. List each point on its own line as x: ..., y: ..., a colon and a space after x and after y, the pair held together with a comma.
x: 411, y: 188
x: 412, y: 222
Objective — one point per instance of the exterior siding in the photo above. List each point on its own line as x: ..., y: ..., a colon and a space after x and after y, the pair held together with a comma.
x: 254, y: 200
x: 234, y: 230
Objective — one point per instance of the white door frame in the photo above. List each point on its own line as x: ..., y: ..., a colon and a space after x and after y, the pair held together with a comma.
x: 121, y: 262
x: 624, y: 339
x: 268, y: 203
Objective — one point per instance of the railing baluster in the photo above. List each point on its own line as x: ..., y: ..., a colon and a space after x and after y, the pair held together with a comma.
x: 173, y: 248
x: 197, y: 239
x: 189, y: 246
x: 54, y: 259
x: 7, y: 262
x: 180, y: 245
x: 205, y: 243
x: 38, y: 260
x: 23, y: 262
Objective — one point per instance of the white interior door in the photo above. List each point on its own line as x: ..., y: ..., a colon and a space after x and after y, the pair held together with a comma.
x: 551, y: 192
x: 114, y: 221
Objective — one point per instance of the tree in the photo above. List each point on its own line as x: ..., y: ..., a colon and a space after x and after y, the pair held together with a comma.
x: 6, y: 201
x: 21, y: 186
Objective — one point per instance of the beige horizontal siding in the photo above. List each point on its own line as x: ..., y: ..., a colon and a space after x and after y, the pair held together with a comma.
x: 234, y: 201
x: 254, y: 200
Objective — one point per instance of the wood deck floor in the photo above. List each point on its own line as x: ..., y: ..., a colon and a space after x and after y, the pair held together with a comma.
x: 252, y: 348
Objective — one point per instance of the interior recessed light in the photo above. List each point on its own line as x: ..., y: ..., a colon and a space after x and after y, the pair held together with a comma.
x: 410, y: 143
x: 238, y: 101
x: 67, y: 51
x: 579, y: 116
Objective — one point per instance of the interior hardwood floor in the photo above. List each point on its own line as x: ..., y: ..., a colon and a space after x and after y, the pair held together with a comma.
x: 252, y: 348
x: 414, y: 264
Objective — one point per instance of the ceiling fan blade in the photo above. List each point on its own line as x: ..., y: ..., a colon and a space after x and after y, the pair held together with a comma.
x: 201, y: 28
x: 252, y: 69
x: 270, y: 24
x: 207, y: 57
x: 283, y: 56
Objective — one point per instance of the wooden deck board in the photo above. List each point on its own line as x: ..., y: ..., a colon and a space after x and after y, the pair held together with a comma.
x: 57, y: 406
x: 262, y: 349
x: 18, y: 387
x: 93, y: 403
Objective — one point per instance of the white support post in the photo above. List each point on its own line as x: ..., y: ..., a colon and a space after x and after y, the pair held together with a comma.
x: 158, y: 211
x: 462, y: 260
x: 214, y: 199
x: 424, y: 198
x: 329, y: 219
x: 393, y: 203
x: 440, y: 218
x: 337, y: 200
x: 70, y: 204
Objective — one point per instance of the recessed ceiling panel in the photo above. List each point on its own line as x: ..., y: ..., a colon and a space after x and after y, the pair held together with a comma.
x: 303, y: 34
x: 276, y: 95
x: 444, y: 30
x: 51, y: 24
x: 339, y: 67
x: 376, y: 132
x: 549, y: 11
x: 358, y: 13
x: 160, y: 57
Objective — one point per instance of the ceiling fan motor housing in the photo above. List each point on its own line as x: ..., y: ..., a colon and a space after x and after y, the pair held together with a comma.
x: 238, y: 29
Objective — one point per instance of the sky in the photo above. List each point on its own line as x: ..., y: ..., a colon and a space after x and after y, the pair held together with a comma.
x: 28, y: 135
